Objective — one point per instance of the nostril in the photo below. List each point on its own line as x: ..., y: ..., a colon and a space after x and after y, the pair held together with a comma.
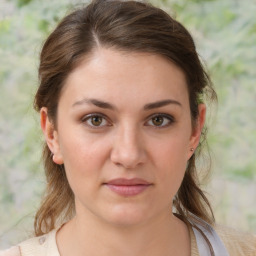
x: 127, y: 162
x: 127, y: 150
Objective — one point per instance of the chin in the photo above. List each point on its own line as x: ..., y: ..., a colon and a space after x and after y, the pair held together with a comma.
x: 126, y: 216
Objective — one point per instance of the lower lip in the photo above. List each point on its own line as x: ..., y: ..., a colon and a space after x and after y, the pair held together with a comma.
x: 125, y: 190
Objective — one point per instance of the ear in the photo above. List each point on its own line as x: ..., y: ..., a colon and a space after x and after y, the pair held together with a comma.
x: 51, y: 136
x: 197, y: 129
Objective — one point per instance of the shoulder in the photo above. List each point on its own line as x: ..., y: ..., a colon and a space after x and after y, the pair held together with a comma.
x: 40, y: 246
x: 236, y: 242
x: 14, y: 251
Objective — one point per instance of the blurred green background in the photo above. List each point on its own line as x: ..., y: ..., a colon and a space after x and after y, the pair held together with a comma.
x: 225, y: 35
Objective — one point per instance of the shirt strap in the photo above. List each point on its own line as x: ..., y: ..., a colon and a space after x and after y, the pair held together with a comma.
x: 214, y: 239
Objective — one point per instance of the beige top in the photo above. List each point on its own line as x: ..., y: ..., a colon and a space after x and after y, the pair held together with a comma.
x: 237, y: 244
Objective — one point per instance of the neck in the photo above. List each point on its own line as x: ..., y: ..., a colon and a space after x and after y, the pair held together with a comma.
x: 165, y: 235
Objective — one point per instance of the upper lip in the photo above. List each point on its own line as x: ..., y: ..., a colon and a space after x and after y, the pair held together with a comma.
x: 128, y: 182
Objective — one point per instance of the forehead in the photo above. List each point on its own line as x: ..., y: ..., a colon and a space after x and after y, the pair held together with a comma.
x: 116, y: 76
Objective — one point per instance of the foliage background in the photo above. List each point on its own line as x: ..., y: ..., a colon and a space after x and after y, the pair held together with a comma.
x: 225, y: 34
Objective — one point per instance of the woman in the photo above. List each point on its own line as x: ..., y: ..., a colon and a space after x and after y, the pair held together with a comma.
x: 121, y: 100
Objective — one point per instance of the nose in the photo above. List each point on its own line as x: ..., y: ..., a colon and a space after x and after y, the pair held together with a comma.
x: 128, y: 149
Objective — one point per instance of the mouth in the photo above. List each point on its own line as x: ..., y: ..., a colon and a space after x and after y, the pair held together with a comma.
x: 128, y: 187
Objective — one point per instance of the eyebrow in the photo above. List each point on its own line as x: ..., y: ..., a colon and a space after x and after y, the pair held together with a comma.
x: 98, y: 103
x: 161, y: 103
x: 106, y: 105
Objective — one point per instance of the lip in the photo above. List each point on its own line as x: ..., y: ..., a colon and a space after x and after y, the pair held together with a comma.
x: 128, y: 182
x: 128, y: 187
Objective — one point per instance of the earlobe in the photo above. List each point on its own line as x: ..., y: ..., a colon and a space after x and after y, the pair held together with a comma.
x: 51, y: 136
x: 197, y: 129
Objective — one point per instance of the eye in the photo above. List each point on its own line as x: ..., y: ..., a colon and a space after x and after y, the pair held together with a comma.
x: 95, y: 120
x: 160, y: 120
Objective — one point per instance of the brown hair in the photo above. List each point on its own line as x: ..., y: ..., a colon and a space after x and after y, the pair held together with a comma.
x: 127, y: 26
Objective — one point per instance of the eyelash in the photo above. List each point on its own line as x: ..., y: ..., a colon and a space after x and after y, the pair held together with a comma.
x: 89, y: 117
x: 170, y: 120
x: 166, y: 118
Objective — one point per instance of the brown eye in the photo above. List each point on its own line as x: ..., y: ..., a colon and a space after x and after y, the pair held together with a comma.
x: 96, y: 120
x: 157, y: 120
x: 160, y: 120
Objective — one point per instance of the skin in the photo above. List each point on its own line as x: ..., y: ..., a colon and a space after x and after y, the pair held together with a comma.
x: 128, y: 143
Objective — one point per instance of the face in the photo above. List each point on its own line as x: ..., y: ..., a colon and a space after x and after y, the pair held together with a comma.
x: 124, y: 135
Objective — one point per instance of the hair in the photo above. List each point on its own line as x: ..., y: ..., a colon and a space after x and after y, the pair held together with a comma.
x: 131, y: 26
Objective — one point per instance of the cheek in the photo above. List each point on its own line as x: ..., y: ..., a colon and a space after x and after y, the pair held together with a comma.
x: 80, y: 148
x: 171, y: 160
x: 173, y: 150
x: 84, y: 158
